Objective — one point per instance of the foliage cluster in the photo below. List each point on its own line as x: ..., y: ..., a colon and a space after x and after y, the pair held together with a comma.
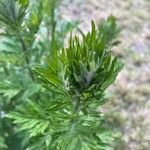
x: 61, y: 116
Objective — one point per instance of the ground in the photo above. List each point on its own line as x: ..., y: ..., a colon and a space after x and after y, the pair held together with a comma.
x: 129, y: 107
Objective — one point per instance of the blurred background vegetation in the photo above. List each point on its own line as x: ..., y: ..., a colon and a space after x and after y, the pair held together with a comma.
x: 129, y: 108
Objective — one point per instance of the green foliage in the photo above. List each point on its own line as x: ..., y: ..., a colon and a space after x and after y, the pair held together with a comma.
x: 2, y: 143
x: 83, y: 70
x: 53, y: 125
x: 109, y: 29
x: 50, y: 5
x: 77, y: 77
x: 11, y: 14
x: 23, y: 44
x: 63, y: 115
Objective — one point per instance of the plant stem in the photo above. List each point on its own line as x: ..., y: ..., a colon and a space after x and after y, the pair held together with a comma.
x: 25, y: 55
x: 5, y: 70
x: 53, y: 24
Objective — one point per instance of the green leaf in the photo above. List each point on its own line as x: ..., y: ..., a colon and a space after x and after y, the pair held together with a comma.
x: 2, y: 143
x: 31, y: 89
x: 11, y: 14
x: 24, y: 2
x: 8, y: 90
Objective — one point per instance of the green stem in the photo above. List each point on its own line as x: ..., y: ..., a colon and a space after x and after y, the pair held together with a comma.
x: 53, y: 25
x: 5, y: 70
x: 24, y: 49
